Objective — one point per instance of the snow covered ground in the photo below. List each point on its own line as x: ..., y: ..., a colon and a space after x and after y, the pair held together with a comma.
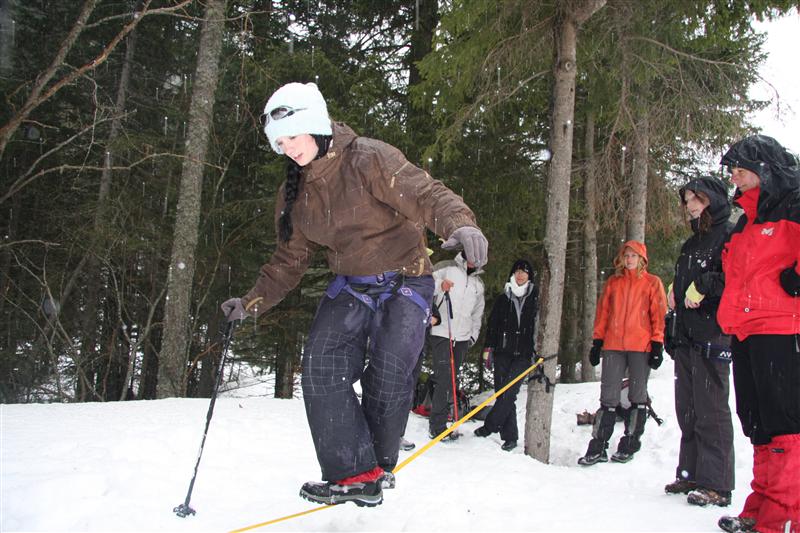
x: 124, y: 466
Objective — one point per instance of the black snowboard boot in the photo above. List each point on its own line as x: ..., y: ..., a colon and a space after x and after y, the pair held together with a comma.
x: 482, y: 432
x: 602, y: 429
x: 634, y: 428
x: 367, y: 494
x: 737, y: 524
x: 596, y: 453
x: 508, y: 445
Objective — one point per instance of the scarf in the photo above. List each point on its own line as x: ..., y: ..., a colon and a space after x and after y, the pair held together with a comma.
x: 517, y: 290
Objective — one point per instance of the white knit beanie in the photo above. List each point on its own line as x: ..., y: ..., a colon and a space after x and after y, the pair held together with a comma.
x: 310, y: 113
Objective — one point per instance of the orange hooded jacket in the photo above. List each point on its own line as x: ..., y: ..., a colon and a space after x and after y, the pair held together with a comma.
x: 631, y: 310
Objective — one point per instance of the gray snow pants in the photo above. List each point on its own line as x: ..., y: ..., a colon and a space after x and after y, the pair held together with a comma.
x: 613, y: 371
x: 701, y: 406
x: 351, y: 437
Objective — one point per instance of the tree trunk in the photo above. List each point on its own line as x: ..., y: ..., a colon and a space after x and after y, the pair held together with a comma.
x: 540, y: 398
x: 568, y: 356
x: 420, y: 122
x: 589, y: 250
x: 94, y: 274
x: 284, y: 368
x: 637, y: 206
x: 6, y: 37
x: 172, y: 364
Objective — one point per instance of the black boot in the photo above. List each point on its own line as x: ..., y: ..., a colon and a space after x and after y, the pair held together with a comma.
x: 509, y: 445
x: 482, y: 432
x: 601, y: 431
x: 596, y: 453
x: 634, y: 428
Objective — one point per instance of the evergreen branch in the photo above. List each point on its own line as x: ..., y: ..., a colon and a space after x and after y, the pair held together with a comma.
x: 683, y: 54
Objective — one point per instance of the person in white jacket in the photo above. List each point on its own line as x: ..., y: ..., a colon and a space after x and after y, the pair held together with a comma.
x: 459, y: 280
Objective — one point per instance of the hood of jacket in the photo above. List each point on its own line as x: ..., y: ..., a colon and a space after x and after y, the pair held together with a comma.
x: 636, y: 246
x: 461, y: 261
x: 776, y: 167
x: 719, y: 207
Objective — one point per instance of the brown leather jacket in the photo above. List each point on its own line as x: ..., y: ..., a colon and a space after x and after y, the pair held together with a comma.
x: 368, y: 206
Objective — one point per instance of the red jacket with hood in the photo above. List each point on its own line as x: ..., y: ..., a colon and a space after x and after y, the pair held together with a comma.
x: 631, y: 310
x: 764, y: 243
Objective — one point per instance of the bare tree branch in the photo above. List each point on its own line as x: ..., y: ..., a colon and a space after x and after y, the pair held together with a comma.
x: 41, y: 92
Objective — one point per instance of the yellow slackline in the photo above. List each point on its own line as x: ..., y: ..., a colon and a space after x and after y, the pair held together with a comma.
x: 416, y: 454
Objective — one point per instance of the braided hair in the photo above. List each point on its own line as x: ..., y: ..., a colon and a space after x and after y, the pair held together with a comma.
x: 294, y: 179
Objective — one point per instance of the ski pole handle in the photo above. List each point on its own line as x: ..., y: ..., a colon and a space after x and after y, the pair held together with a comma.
x: 449, y: 305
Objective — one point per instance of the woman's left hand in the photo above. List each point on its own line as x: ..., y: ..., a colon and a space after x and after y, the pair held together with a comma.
x: 690, y: 304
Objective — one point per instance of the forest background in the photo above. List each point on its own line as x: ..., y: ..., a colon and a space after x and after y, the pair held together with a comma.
x: 137, y: 190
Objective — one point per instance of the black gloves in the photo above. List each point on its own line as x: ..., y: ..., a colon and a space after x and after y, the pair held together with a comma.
x: 790, y: 281
x: 594, y: 353
x: 233, y: 309
x: 656, y: 355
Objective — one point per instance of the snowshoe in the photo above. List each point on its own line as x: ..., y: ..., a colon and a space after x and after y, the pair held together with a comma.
x: 737, y: 524
x: 387, y: 480
x: 680, y: 486
x: 593, y: 458
x: 508, y: 445
x: 367, y: 494
x: 406, y: 445
x: 702, y: 496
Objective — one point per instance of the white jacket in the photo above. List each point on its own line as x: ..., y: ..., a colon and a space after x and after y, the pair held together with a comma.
x: 466, y: 296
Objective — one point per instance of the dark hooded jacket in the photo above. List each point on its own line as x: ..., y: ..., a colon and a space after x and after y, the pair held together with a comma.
x: 512, y: 322
x: 764, y: 243
x: 700, y: 262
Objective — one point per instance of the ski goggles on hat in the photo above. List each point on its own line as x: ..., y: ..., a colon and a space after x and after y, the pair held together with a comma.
x: 278, y: 113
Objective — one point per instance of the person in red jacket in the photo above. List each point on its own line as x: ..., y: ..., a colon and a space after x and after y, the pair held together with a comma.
x: 629, y: 330
x: 760, y: 307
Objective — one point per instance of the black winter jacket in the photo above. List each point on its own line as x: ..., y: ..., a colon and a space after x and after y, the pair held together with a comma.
x: 700, y: 262
x: 505, y: 333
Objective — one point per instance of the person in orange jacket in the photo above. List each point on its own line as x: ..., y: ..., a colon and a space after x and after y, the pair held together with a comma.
x: 629, y: 331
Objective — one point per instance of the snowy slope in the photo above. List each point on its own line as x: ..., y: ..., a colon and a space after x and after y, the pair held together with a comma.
x: 124, y: 466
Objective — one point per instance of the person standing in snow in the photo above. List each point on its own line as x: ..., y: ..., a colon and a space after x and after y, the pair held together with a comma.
x: 760, y: 308
x: 701, y: 351
x: 459, y: 281
x: 405, y: 444
x: 629, y: 330
x: 509, y: 349
x: 363, y: 202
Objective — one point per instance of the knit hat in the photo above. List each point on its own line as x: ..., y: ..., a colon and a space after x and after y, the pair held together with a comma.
x: 525, y: 266
x: 295, y: 109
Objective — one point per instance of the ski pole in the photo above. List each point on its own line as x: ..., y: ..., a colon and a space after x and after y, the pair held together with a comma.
x: 183, y: 510
x: 452, y: 356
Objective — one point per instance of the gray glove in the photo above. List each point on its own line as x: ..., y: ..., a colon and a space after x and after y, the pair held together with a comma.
x: 233, y: 309
x: 476, y: 247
